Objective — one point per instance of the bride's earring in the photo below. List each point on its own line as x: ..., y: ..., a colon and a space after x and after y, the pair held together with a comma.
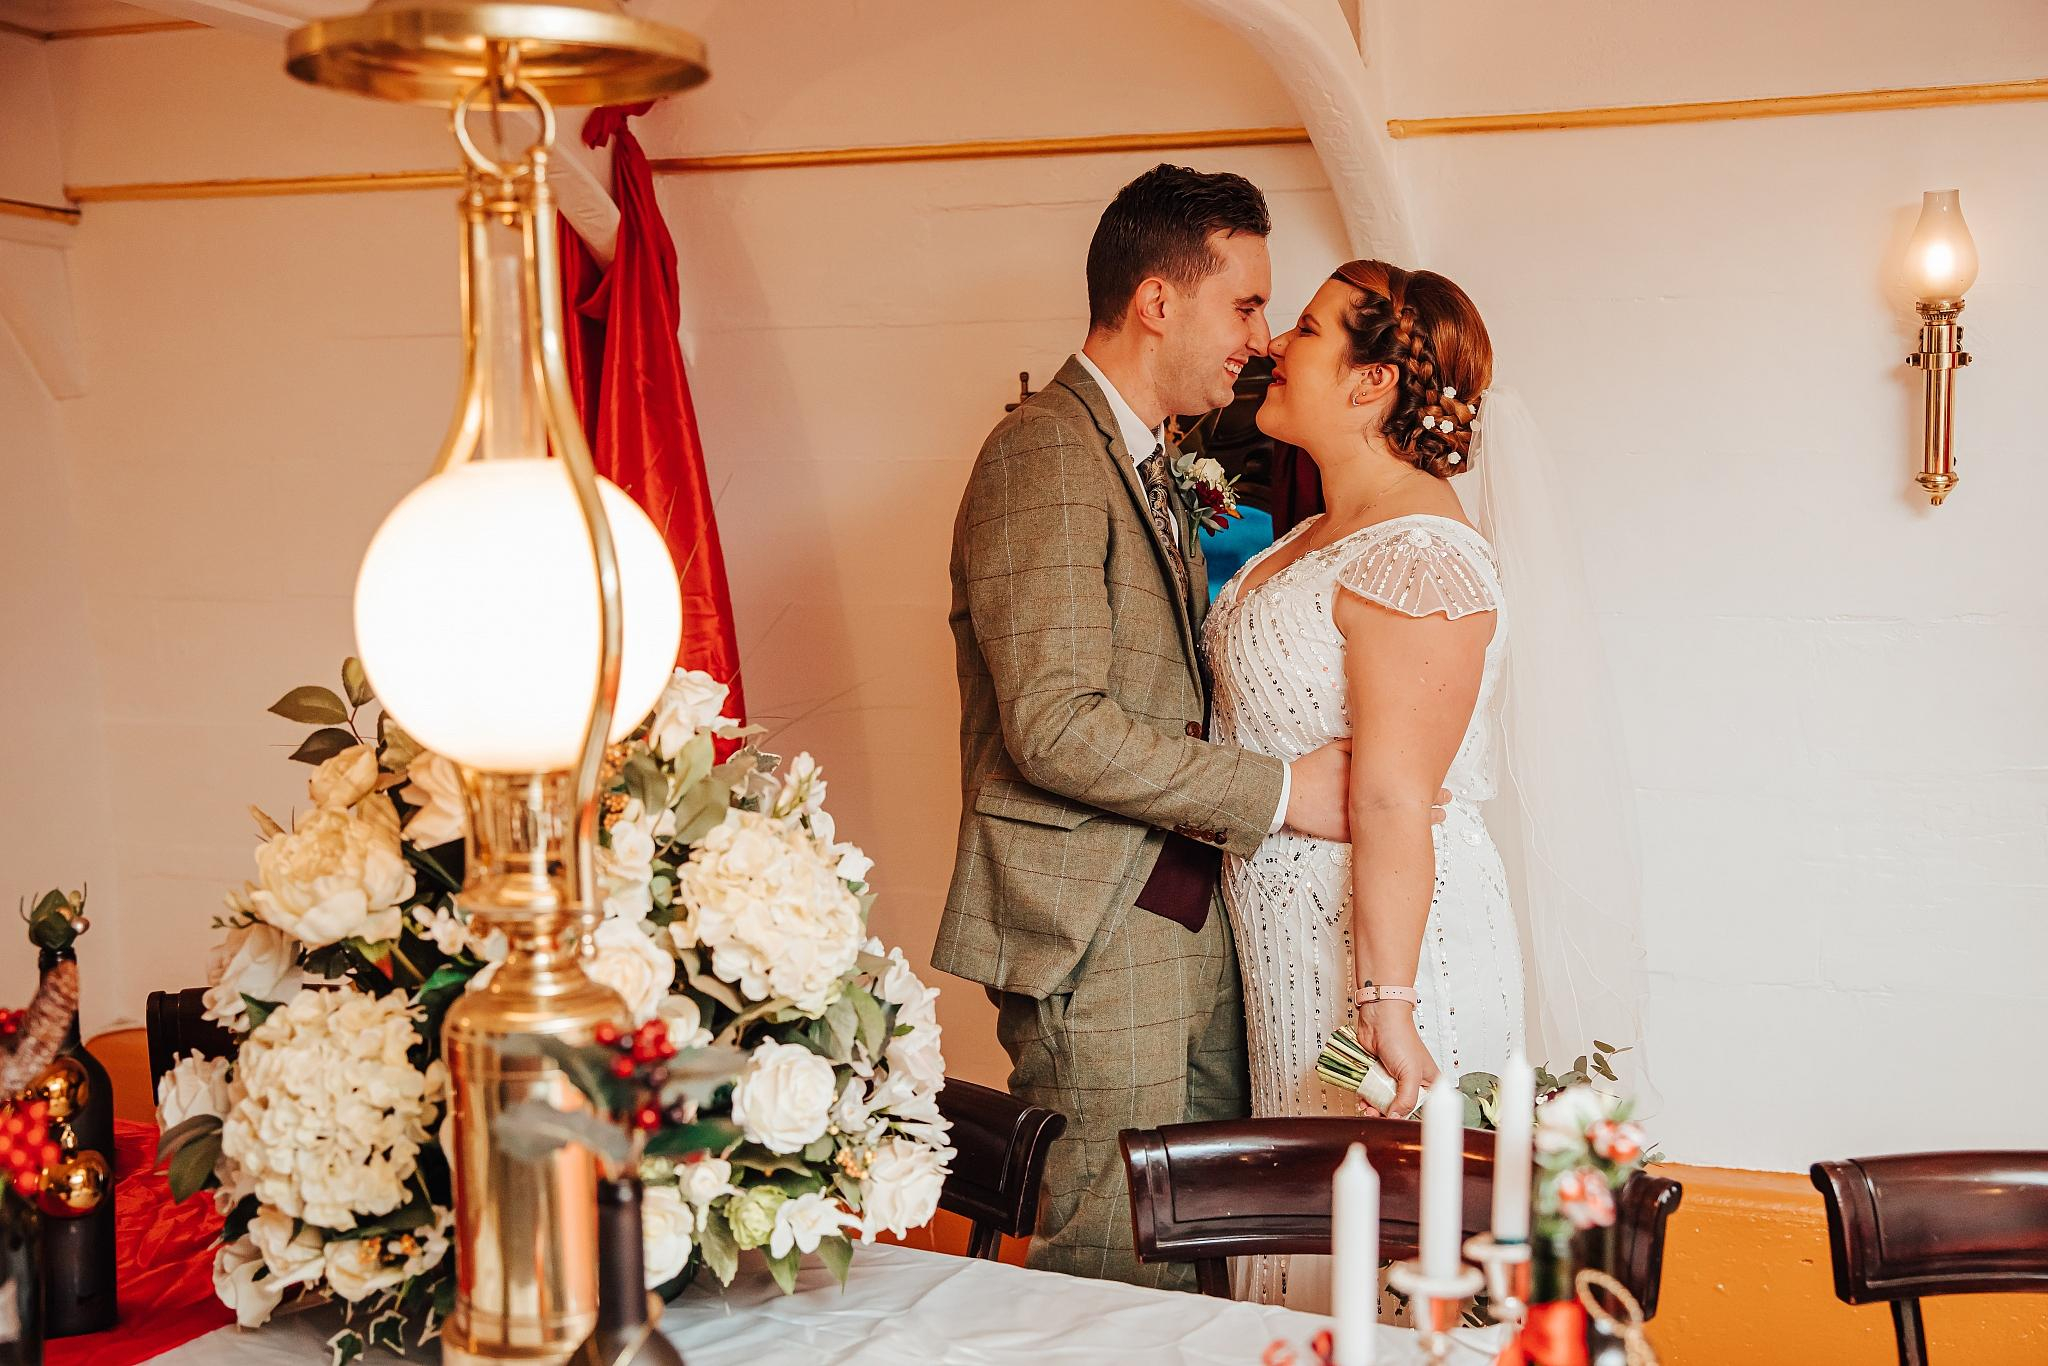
x: 1356, y: 400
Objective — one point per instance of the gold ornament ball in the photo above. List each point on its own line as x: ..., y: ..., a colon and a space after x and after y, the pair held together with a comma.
x: 64, y: 1087
x: 75, y: 1185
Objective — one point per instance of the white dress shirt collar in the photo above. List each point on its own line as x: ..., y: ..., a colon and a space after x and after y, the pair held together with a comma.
x: 1139, y: 439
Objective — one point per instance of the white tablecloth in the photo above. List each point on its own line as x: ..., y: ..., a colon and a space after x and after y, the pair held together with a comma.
x: 904, y: 1306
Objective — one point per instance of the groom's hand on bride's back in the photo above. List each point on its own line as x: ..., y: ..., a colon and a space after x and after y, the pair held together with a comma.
x: 1319, y: 793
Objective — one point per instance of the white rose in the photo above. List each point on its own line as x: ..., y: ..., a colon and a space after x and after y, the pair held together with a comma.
x: 784, y: 1098
x: 434, y: 785
x: 628, y: 962
x: 294, y: 1255
x: 691, y: 702
x: 665, y: 1227
x: 851, y: 1115
x: 258, y: 961
x: 685, y: 1020
x: 194, y: 1086
x: 345, y: 779
x: 340, y: 874
x: 235, y: 1268
x: 1562, y: 1120
x: 356, y: 1268
x: 805, y: 1222
x: 1209, y: 470
x: 704, y: 1180
x: 901, y: 1191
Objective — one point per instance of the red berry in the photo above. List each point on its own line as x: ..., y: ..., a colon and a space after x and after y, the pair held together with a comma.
x: 26, y: 1183
x: 648, y: 1118
x: 622, y: 1067
x: 607, y: 1033
x: 50, y: 1153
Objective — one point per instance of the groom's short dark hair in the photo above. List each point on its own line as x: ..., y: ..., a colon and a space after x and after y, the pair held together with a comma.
x: 1159, y: 224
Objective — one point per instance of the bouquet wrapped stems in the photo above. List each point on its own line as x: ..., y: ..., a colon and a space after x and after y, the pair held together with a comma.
x: 1345, y: 1064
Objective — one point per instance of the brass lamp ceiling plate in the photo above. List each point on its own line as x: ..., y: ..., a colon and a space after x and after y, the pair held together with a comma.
x: 575, y: 52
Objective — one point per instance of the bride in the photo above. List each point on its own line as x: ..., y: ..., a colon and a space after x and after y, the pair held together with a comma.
x: 1384, y: 619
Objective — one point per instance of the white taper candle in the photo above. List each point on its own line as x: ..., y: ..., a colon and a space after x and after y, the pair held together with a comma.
x: 1515, y: 1124
x: 1443, y: 1179
x: 1355, y: 1242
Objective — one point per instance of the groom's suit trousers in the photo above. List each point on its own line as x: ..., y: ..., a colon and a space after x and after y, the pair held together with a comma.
x: 1151, y: 1034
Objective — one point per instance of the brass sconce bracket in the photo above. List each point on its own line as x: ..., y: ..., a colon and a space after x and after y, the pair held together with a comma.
x: 1939, y: 356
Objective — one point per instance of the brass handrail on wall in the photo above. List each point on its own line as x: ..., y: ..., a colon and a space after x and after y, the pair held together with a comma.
x: 1719, y: 111
x: 1618, y: 116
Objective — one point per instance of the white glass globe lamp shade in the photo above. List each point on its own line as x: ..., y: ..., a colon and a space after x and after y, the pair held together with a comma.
x: 477, y: 615
x: 1941, y: 260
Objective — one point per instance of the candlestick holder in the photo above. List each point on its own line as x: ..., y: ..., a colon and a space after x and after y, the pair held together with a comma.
x: 1436, y: 1303
x: 1506, y: 1267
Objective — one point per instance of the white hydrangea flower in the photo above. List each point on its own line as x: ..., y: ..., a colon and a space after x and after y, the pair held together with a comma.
x: 332, y: 1112
x: 778, y: 921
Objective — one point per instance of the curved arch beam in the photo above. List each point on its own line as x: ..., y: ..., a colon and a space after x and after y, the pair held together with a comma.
x: 1309, y: 46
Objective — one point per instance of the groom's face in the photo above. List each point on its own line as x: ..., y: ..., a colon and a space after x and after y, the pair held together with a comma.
x: 1209, y: 332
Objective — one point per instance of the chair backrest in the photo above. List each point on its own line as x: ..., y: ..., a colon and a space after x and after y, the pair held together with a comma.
x: 999, y: 1149
x: 177, y: 1024
x: 1915, y: 1224
x: 1232, y: 1188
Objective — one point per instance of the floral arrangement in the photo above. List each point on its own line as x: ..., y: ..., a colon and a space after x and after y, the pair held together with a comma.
x: 1587, y: 1148
x: 732, y: 916
x: 1206, y: 488
x: 1345, y: 1064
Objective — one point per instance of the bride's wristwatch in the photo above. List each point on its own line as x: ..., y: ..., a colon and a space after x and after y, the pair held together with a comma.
x: 1373, y: 991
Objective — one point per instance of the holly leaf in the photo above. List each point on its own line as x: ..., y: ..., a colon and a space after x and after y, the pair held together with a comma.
x: 312, y: 706
x: 698, y: 1136
x: 345, y: 1346
x: 355, y: 682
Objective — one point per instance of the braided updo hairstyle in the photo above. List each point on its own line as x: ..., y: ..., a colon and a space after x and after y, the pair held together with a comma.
x: 1430, y: 332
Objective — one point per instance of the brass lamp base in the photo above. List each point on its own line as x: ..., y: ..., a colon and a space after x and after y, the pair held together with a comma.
x: 1939, y: 356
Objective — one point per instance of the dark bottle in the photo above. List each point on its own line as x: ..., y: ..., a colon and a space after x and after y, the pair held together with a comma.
x: 21, y: 1287
x: 628, y: 1331
x: 78, y: 1246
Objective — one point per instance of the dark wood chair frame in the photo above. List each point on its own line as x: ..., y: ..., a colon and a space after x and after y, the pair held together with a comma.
x: 1946, y: 1223
x: 1205, y: 1192
x: 1000, y: 1145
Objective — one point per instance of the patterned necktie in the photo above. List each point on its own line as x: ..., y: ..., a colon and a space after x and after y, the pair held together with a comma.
x: 1158, y: 481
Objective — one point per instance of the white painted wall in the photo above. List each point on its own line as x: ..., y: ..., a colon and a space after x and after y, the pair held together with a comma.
x: 1847, y: 872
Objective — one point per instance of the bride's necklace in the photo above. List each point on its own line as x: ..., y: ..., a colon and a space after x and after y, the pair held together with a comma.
x: 1359, y: 517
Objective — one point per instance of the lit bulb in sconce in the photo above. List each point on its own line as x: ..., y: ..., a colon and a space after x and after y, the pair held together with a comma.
x: 1941, y: 262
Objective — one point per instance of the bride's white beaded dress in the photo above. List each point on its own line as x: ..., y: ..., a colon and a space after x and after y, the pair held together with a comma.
x: 1277, y: 660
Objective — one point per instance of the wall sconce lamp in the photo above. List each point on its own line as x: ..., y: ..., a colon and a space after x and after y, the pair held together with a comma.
x: 1941, y: 263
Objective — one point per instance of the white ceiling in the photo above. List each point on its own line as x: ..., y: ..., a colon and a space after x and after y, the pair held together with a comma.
x: 45, y: 16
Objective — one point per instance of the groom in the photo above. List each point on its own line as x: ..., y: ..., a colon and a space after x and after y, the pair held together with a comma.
x: 1084, y: 892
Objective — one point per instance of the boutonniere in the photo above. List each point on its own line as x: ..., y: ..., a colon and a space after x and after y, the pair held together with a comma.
x: 1208, y: 492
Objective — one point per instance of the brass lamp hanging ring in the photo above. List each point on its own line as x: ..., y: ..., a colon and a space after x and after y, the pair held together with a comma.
x: 519, y: 90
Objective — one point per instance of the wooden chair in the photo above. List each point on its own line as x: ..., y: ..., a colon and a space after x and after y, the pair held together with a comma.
x: 999, y: 1149
x: 177, y: 1025
x: 1203, y: 1192
x: 1917, y: 1224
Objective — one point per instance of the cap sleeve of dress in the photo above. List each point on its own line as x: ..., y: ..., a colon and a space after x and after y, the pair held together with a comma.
x: 1419, y: 572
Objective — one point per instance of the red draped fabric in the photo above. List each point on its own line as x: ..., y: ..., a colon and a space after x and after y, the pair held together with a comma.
x: 163, y: 1259
x: 626, y: 367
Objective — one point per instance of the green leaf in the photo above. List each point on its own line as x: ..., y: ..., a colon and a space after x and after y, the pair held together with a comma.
x: 416, y: 1213
x: 874, y: 1022
x: 183, y: 1132
x: 443, y: 977
x: 837, y: 1254
x: 534, y: 1130
x: 322, y: 745
x: 399, y: 749
x: 644, y: 779
x: 311, y: 705
x: 259, y: 1011
x: 193, y: 1165
x: 1580, y: 1066
x: 842, y: 1023
x: 694, y: 762
x: 700, y: 980
x: 1599, y: 1047
x: 698, y: 1136
x: 721, y: 1253
x: 355, y: 682
x: 701, y: 809
x: 385, y: 1332
x: 820, y: 1148
x: 767, y: 1163
x: 1601, y: 1065
x: 783, y: 1269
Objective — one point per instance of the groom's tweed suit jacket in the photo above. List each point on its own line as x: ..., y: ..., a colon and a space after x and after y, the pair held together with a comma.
x: 1081, y: 699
